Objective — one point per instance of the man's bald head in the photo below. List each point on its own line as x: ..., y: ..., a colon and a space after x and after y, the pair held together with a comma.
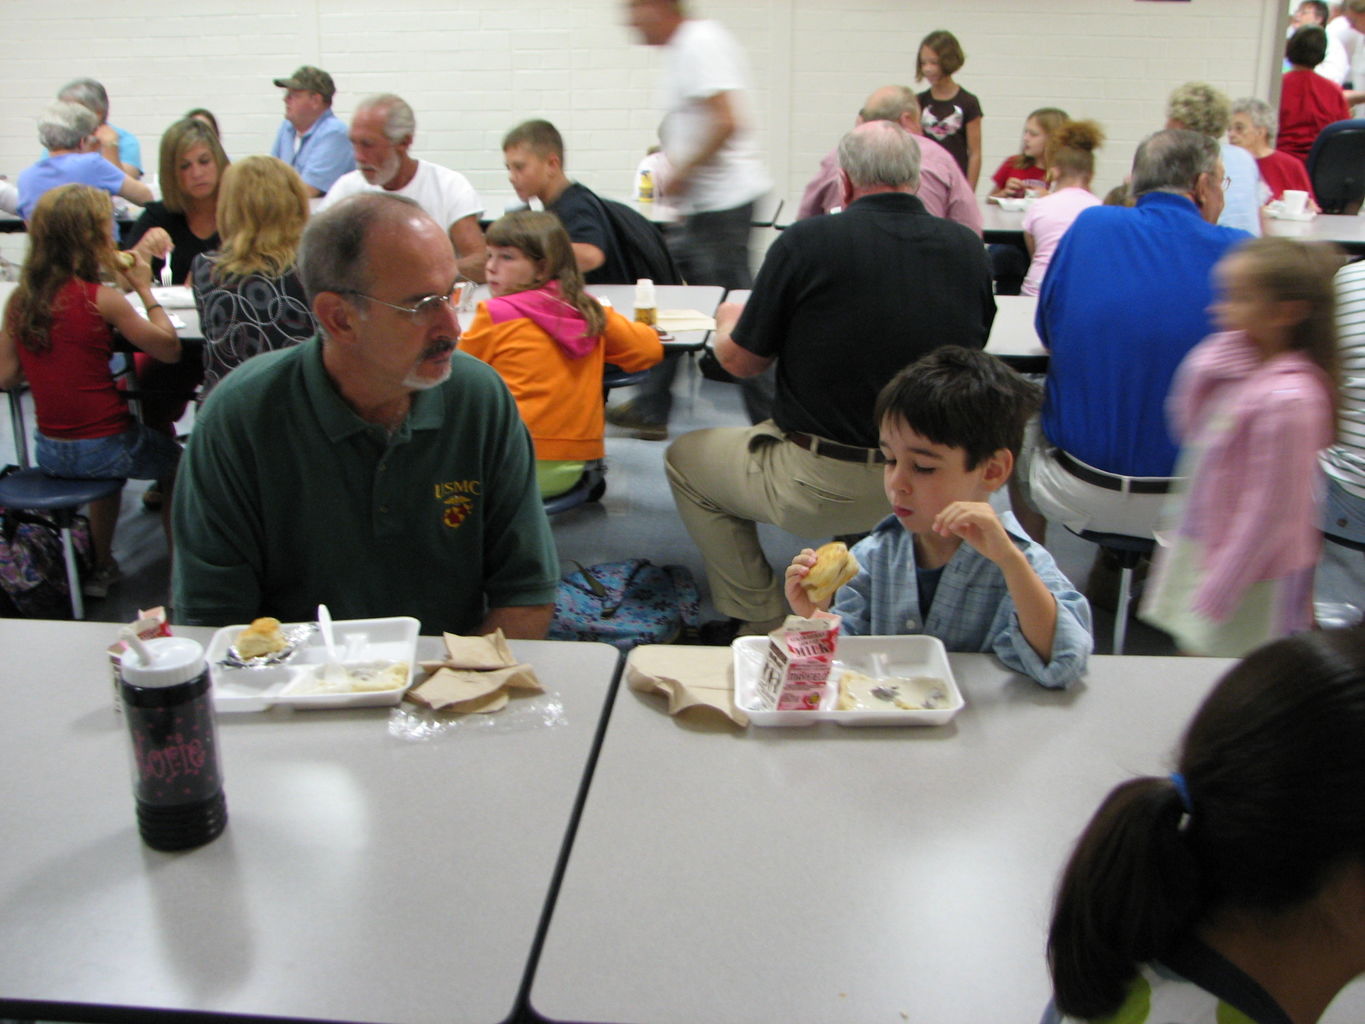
x: 333, y: 253
x: 892, y: 103
x: 880, y: 156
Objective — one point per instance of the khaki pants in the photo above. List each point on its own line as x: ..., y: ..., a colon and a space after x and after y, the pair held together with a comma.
x: 1075, y: 503
x: 727, y: 480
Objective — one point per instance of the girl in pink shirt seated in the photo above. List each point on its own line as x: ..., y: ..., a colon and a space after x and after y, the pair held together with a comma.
x: 1025, y: 173
x: 1252, y: 406
x: 1071, y: 166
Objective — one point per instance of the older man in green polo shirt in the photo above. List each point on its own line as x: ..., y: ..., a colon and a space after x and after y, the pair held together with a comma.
x: 373, y: 467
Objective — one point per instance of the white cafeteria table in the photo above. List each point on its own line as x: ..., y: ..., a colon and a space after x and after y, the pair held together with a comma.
x: 187, y: 314
x: 1012, y: 336
x: 1346, y: 231
x: 361, y: 877
x: 831, y: 875
x: 700, y: 298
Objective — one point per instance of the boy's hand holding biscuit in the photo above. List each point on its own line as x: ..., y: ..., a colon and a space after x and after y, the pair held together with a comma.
x: 797, y: 595
x: 977, y: 524
x: 814, y: 576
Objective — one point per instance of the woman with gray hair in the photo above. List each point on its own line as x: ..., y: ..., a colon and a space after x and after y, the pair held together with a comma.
x: 67, y: 130
x: 1199, y: 107
x: 1252, y: 126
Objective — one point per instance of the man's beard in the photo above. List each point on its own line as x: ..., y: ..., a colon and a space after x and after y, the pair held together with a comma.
x: 418, y: 382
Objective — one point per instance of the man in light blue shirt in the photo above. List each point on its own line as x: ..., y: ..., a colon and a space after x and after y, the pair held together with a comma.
x: 312, y: 139
x: 119, y: 147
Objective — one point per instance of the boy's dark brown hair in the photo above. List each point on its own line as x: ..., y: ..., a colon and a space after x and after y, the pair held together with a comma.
x: 540, y: 137
x: 963, y: 398
x: 1307, y: 47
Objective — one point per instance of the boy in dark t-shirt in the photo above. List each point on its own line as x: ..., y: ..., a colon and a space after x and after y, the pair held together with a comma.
x: 534, y: 155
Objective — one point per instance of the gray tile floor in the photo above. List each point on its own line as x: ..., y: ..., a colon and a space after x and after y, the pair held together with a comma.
x: 637, y: 518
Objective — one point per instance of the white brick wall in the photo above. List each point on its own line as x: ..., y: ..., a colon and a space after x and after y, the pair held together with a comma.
x: 474, y: 68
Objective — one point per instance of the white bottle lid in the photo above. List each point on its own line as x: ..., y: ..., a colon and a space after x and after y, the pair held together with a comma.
x: 161, y: 661
x: 644, y: 294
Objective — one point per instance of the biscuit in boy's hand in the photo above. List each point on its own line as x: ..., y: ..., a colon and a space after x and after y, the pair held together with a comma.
x: 125, y: 260
x: 834, y: 566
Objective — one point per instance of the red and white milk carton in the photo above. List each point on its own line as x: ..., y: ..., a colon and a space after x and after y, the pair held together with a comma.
x: 795, y: 674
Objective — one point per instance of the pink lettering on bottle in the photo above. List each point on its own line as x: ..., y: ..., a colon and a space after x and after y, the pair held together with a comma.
x: 177, y: 757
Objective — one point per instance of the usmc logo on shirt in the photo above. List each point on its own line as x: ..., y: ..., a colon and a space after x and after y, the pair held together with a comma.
x: 456, y: 498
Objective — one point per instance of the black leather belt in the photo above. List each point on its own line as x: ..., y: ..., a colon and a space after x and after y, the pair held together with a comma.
x: 834, y: 450
x: 1109, y: 481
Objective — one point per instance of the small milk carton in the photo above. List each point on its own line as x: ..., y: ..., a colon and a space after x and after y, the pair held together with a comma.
x: 795, y: 674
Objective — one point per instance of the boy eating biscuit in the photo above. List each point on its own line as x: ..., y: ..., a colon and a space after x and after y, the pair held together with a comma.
x: 944, y: 562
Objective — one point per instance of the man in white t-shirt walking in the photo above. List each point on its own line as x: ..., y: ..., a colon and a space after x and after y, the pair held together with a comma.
x: 709, y: 138
x: 381, y: 134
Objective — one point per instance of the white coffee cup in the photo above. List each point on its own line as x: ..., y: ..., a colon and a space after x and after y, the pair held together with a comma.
x: 1295, y: 202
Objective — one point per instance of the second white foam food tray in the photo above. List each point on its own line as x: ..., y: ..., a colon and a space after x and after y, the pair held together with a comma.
x: 905, y: 656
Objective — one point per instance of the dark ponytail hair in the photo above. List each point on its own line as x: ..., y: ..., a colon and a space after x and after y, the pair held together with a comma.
x: 1274, y: 767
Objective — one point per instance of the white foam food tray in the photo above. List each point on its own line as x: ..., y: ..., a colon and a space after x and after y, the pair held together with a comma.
x: 905, y: 656
x: 358, y: 641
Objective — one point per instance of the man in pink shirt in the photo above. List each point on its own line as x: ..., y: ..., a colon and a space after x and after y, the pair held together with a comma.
x: 943, y: 189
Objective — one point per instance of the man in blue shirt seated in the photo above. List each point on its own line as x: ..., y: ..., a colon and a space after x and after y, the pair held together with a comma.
x: 120, y: 148
x: 312, y: 139
x: 1125, y: 298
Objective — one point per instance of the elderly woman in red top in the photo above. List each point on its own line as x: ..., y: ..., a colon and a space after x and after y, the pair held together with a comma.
x: 1253, y: 126
x: 58, y: 332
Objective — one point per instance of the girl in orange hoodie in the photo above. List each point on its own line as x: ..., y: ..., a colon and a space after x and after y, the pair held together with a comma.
x: 550, y: 341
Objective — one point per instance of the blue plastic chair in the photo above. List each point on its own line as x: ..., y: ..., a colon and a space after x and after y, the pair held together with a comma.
x: 1336, y: 166
x: 590, y: 487
x: 615, y: 377
x: 1128, y: 551
x: 28, y: 488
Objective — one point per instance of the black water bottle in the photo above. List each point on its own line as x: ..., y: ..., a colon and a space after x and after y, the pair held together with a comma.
x: 168, y: 706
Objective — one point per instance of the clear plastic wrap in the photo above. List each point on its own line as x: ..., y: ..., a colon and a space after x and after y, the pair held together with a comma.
x: 417, y: 724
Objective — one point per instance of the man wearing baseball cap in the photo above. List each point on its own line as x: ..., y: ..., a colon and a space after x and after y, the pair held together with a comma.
x: 312, y: 139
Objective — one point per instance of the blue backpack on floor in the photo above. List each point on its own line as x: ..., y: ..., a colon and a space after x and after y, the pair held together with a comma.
x: 33, y: 565
x: 626, y: 604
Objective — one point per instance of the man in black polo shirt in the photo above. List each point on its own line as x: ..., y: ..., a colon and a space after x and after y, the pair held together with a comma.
x: 840, y: 304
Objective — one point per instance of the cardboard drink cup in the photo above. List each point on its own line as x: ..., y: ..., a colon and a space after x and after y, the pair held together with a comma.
x: 646, y: 307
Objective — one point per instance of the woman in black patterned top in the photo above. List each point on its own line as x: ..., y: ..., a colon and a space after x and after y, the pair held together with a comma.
x: 249, y: 296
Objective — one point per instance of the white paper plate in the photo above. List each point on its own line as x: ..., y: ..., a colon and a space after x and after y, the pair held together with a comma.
x: 174, y: 296
x: 359, y: 640
x: 1277, y: 211
x: 905, y: 656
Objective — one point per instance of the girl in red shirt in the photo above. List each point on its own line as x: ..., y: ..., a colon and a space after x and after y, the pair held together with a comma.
x: 58, y: 333
x: 1025, y: 173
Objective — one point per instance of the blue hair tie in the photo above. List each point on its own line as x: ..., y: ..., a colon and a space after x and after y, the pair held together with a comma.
x: 1182, y: 790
